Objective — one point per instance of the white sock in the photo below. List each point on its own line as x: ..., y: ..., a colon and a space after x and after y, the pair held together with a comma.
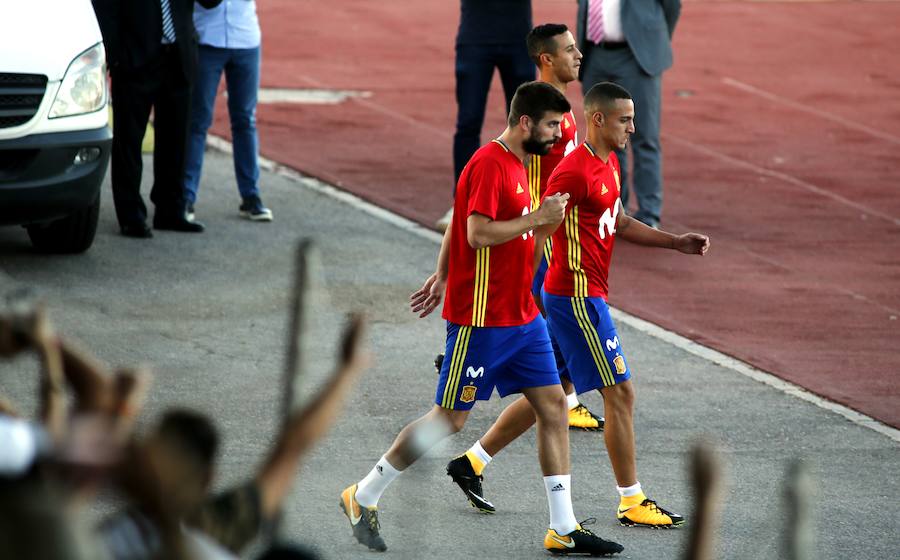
x: 480, y: 453
x: 572, y: 400
x: 628, y: 491
x: 559, y: 497
x: 372, y: 487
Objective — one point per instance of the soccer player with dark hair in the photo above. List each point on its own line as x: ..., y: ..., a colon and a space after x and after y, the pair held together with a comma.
x: 552, y: 47
x: 575, y: 289
x: 496, y: 338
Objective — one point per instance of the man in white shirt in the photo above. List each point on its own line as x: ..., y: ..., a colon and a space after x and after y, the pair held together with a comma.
x: 230, y: 44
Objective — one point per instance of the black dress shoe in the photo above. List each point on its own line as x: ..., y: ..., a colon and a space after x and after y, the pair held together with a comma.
x: 177, y: 223
x: 139, y: 230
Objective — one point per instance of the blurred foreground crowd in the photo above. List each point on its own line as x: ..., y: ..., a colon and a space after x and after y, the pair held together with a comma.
x: 82, y: 448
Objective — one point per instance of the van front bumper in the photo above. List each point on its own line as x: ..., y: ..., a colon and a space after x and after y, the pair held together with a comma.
x: 45, y: 177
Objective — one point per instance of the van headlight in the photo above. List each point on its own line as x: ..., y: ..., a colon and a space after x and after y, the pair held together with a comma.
x: 83, y: 89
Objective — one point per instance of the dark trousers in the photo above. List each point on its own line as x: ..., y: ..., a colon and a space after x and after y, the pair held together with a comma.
x: 474, y: 70
x: 162, y: 86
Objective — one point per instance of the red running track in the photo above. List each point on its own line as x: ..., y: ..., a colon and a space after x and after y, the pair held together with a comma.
x: 782, y: 142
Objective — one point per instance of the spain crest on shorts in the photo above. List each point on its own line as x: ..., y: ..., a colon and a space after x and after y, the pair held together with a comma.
x: 468, y: 393
x: 620, y: 364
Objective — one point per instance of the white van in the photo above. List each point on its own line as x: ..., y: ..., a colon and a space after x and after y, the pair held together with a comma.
x: 55, y: 138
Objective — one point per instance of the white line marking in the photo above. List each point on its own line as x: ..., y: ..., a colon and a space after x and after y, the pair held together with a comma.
x: 321, y: 187
x: 748, y: 370
x: 308, y: 96
x: 806, y: 109
x: 655, y: 331
x: 781, y: 176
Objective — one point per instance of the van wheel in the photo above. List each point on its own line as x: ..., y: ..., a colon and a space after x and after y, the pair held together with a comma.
x: 72, y: 234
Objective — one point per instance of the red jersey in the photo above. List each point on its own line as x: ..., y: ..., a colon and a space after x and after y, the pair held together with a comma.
x: 540, y: 167
x: 491, y: 286
x: 583, y: 243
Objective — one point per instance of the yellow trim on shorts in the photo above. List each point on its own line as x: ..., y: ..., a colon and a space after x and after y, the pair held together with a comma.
x: 460, y: 349
x: 592, y: 338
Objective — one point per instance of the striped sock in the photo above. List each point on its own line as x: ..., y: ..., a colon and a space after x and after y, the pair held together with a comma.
x: 478, y: 457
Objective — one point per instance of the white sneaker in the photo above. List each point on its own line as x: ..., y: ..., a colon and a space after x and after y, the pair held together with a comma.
x: 444, y: 222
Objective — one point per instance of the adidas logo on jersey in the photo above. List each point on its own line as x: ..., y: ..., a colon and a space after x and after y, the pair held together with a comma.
x: 519, y: 189
x: 603, y: 189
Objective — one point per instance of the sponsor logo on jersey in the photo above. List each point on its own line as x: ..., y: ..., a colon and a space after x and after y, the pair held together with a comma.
x: 474, y: 373
x: 468, y: 394
x: 612, y: 344
x: 608, y: 220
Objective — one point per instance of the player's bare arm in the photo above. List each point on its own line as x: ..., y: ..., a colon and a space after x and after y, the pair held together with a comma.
x: 426, y: 299
x: 484, y: 232
x: 635, y: 231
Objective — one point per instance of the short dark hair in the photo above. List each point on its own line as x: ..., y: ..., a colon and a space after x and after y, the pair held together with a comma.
x: 541, y: 40
x: 602, y: 95
x: 192, y: 433
x: 533, y: 99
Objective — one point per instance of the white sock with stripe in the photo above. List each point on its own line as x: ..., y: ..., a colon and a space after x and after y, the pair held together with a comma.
x: 559, y: 497
x: 370, y: 489
x: 478, y: 457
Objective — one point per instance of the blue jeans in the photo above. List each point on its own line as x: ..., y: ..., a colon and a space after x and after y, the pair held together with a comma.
x: 241, y: 67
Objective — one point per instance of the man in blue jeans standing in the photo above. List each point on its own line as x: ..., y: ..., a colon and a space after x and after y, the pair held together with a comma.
x: 491, y: 35
x: 230, y: 42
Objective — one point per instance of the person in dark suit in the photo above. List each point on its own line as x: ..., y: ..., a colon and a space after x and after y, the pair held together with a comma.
x: 629, y: 42
x: 151, y: 49
x: 491, y: 35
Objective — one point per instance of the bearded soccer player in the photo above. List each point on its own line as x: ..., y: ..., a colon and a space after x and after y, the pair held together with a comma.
x: 552, y: 47
x: 496, y: 338
x: 574, y: 297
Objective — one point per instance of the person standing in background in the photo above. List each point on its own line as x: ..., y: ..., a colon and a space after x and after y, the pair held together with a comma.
x: 152, y: 54
x: 629, y: 42
x: 491, y: 35
x: 230, y: 43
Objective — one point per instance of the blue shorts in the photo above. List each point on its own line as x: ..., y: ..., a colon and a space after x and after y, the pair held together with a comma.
x: 588, y: 340
x: 537, y: 287
x: 478, y: 359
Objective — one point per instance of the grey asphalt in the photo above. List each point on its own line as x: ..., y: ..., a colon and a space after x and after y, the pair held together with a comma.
x: 208, y: 313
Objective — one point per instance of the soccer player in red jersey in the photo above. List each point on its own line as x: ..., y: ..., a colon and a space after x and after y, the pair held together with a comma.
x: 496, y: 338
x: 575, y: 289
x: 552, y: 48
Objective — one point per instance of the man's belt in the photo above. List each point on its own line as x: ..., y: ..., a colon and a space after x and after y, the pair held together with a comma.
x: 607, y: 46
